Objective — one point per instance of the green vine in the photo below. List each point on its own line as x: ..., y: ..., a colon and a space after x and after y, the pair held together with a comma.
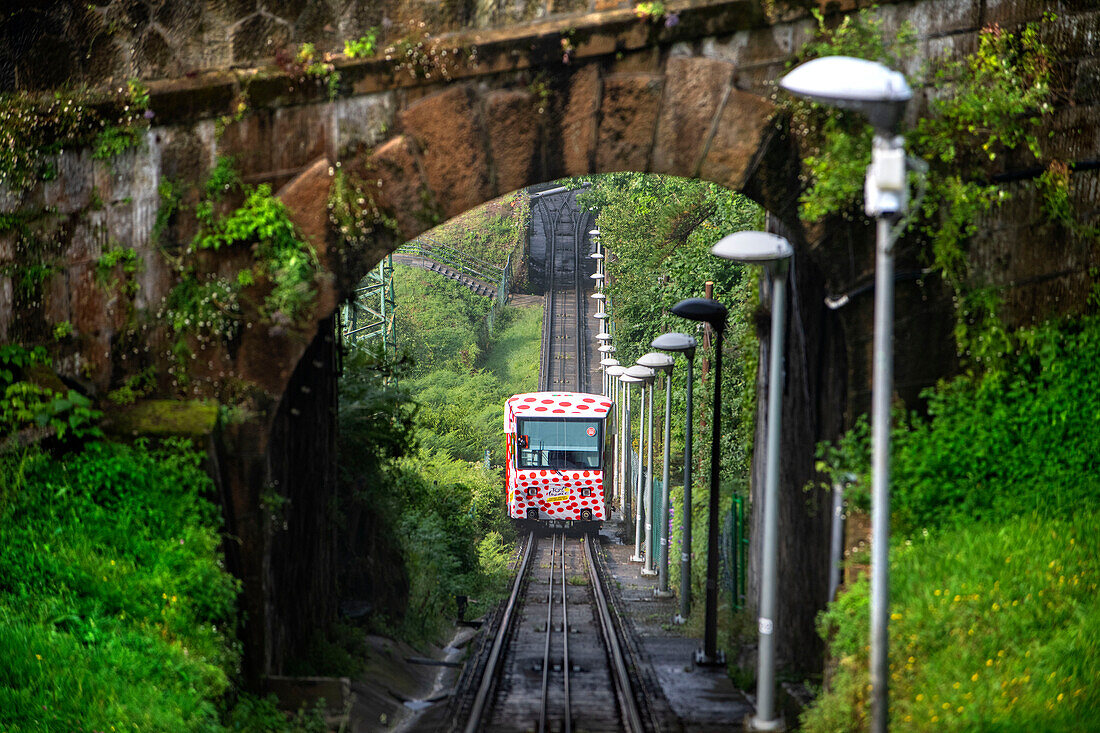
x: 983, y: 106
x: 33, y: 130
x: 279, y: 287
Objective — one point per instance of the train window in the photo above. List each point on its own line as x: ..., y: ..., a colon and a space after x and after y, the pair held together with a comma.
x: 560, y: 443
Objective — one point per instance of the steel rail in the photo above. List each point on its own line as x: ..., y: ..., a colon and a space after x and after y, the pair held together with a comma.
x: 473, y: 723
x: 549, y: 631
x: 546, y: 357
x: 628, y: 706
x: 579, y: 234
x: 567, y: 726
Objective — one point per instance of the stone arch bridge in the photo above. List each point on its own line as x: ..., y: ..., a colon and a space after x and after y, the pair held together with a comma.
x: 498, y: 98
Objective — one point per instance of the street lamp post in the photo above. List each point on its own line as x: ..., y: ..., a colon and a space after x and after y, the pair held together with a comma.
x: 714, y: 313
x: 881, y: 95
x: 774, y: 252
x: 662, y: 363
x: 681, y: 342
x: 611, y: 375
x: 641, y: 509
x: 625, y: 483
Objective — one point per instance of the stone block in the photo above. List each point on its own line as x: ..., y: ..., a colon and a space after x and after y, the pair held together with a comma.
x: 446, y: 127
x: 7, y: 312
x: 395, y: 168
x: 1010, y: 13
x: 644, y: 61
x: 362, y: 121
x: 1076, y: 133
x: 72, y: 189
x: 300, y: 135
x: 930, y: 18
x: 578, y: 121
x: 741, y: 128
x: 628, y: 118
x: 87, y: 298
x: 1073, y: 36
x: 512, y: 122
x: 305, y: 197
x: 1086, y: 87
x: 250, y: 142
x: 694, y: 89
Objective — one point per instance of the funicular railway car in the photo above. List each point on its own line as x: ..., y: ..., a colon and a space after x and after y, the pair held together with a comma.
x: 557, y: 456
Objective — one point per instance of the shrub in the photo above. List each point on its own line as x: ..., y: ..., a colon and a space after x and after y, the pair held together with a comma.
x: 994, y: 627
x: 114, y: 606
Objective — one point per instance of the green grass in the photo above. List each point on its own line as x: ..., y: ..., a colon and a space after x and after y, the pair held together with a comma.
x: 514, y: 356
x: 993, y: 627
x: 995, y: 620
x: 115, y: 612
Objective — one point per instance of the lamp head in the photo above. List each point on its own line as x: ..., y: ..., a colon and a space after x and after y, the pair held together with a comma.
x: 616, y: 370
x: 676, y: 342
x: 629, y: 380
x: 657, y: 361
x: 865, y: 86
x: 609, y: 362
x: 755, y: 247
x: 702, y: 309
x: 642, y: 373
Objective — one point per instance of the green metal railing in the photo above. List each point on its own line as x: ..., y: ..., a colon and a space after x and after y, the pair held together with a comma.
x: 444, y: 254
x: 430, y: 249
x: 737, y: 560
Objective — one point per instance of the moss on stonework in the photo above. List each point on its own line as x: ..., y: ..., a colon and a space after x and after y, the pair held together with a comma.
x: 160, y: 418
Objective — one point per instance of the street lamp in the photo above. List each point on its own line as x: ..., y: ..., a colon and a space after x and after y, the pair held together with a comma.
x: 681, y: 342
x: 645, y: 470
x: 661, y: 363
x: 714, y: 313
x: 612, y: 372
x: 774, y: 253
x: 880, y: 94
x: 628, y: 381
x: 607, y: 363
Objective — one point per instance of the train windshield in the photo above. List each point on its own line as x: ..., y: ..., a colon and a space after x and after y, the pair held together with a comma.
x: 558, y: 443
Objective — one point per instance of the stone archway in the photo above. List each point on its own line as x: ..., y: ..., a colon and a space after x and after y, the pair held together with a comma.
x: 456, y: 148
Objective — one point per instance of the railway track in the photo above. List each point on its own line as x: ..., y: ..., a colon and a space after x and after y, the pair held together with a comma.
x: 556, y: 661
x: 566, y: 337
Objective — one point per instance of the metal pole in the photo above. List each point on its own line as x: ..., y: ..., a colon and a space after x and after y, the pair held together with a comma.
x: 882, y: 390
x: 638, y: 501
x: 662, y: 581
x: 624, y: 469
x: 765, y: 718
x: 710, y: 623
x: 648, y: 568
x: 685, y: 548
x: 837, y: 539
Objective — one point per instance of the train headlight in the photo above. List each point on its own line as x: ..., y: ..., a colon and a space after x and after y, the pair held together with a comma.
x: 586, y: 491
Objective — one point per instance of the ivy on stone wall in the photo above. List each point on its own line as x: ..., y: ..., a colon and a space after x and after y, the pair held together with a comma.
x: 278, y: 288
x: 35, y: 130
x: 984, y: 107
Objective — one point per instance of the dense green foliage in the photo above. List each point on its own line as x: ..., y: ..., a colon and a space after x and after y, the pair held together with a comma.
x: 658, y: 231
x: 34, y: 131
x: 419, y: 472
x: 489, y: 232
x: 114, y: 608
x: 996, y: 492
x: 987, y: 105
x: 28, y: 406
x: 993, y: 627
x: 277, y: 288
